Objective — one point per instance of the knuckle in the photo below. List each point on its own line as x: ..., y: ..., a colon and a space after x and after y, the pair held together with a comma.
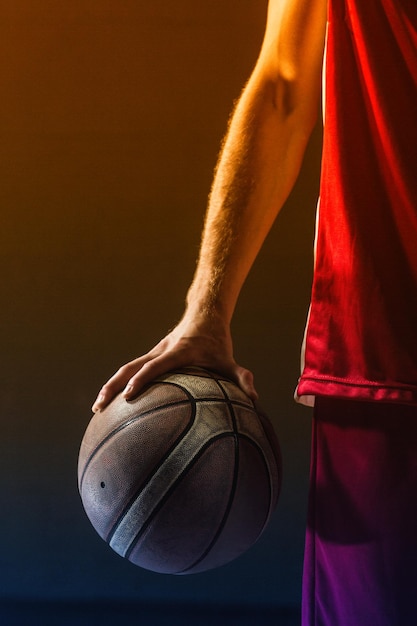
x: 123, y: 370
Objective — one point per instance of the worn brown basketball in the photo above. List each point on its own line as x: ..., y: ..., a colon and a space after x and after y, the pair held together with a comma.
x: 183, y: 478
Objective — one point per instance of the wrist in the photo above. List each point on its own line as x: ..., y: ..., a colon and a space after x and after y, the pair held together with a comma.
x: 208, y: 303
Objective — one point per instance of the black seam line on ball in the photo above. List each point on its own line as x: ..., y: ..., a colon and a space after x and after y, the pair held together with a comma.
x: 135, y: 418
x: 194, y: 402
x: 221, y: 527
x: 268, y: 474
x: 167, y: 495
x: 233, y: 492
x: 232, y: 489
x: 267, y: 468
x: 154, y: 470
x: 247, y: 437
x: 276, y: 453
x: 190, y: 399
x: 126, y: 424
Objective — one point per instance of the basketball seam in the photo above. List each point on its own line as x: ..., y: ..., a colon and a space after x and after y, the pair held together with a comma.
x: 213, y: 542
x: 194, y: 402
x: 277, y: 459
x: 154, y: 470
x: 276, y: 455
x: 154, y: 410
x: 232, y: 489
x: 149, y: 412
x: 268, y: 473
x: 121, y: 427
x: 169, y: 492
x: 222, y: 524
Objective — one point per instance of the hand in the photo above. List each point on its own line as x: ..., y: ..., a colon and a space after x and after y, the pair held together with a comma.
x: 207, y: 345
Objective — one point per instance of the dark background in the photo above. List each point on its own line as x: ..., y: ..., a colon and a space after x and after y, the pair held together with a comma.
x: 111, y: 116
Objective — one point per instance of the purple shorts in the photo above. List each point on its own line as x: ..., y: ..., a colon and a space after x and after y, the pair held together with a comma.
x: 360, y: 566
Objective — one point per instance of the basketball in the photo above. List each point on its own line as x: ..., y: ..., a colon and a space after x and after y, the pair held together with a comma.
x: 184, y: 477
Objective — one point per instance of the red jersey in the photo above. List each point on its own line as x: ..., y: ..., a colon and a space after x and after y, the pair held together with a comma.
x: 361, y: 337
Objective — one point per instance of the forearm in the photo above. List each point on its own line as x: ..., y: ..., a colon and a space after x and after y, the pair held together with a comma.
x: 262, y: 153
x: 258, y: 166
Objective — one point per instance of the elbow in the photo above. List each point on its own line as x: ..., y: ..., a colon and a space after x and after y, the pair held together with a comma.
x: 283, y: 94
x: 292, y: 102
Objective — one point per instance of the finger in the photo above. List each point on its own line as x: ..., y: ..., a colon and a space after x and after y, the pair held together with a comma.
x: 116, y: 383
x: 152, y: 369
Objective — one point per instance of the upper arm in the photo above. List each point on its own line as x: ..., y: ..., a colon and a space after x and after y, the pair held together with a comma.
x: 291, y: 56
